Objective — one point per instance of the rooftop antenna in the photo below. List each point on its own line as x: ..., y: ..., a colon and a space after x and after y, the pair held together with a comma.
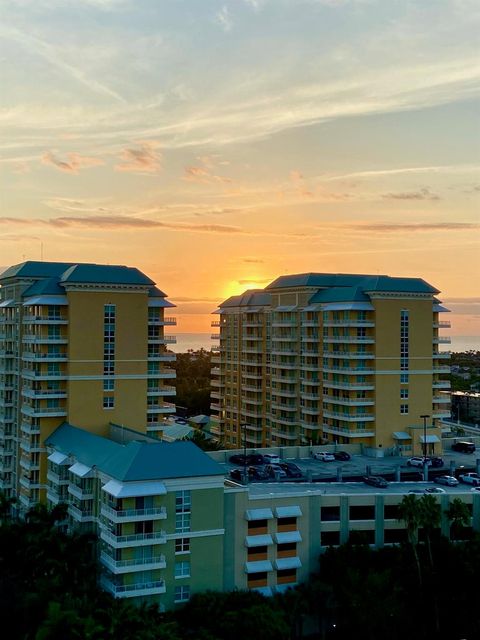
x: 41, y: 251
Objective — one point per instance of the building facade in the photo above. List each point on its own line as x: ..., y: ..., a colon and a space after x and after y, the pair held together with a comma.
x: 170, y: 525
x: 83, y: 343
x: 331, y: 358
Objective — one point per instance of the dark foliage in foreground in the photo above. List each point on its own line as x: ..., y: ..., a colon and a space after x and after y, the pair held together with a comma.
x: 48, y: 591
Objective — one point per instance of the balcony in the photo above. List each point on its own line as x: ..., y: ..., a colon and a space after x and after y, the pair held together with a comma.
x: 442, y: 324
x: 29, y: 429
x: 154, y: 321
x: 252, y: 388
x: 132, y: 540
x: 351, y: 386
x: 162, y: 340
x: 310, y: 381
x: 44, y: 357
x: 29, y: 484
x: 27, y: 446
x: 30, y: 465
x: 40, y: 394
x: 133, y: 515
x: 310, y: 396
x: 349, y: 323
x: 253, y: 337
x: 349, y: 339
x: 284, y: 393
x: 350, y: 355
x: 444, y: 399
x: 161, y: 391
x: 310, y: 426
x: 128, y: 566
x: 81, y: 494
x: 442, y: 384
x: 165, y: 407
x: 442, y: 355
x: 253, y: 375
x: 81, y: 515
x: 310, y: 366
x: 252, y: 413
x: 55, y: 478
x: 350, y: 402
x: 284, y: 365
x: 215, y: 336
x: 163, y: 374
x: 290, y: 420
x: 29, y: 319
x: 310, y: 411
x: 36, y: 412
x: 349, y: 433
x: 161, y: 357
x: 356, y: 371
x: 349, y: 417
x: 284, y: 406
x: 133, y: 590
x: 215, y: 406
x: 442, y: 340
x: 285, y: 435
x: 253, y: 427
x: 31, y: 338
x: 284, y: 379
x: 32, y: 374
x: 252, y: 323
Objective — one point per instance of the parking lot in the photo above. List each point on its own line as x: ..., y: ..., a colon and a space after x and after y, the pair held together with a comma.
x: 391, y: 468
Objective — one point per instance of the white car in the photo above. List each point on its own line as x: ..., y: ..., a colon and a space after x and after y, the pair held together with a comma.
x: 418, y: 462
x: 470, y: 478
x: 271, y: 458
x: 324, y: 456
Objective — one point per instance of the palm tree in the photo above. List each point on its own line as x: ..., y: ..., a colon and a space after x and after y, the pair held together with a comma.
x: 430, y: 516
x: 410, y: 512
x: 458, y: 516
x: 6, y: 507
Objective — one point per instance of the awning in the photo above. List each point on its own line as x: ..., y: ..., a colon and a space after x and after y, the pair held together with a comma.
x: 287, y: 536
x: 288, y: 563
x: 81, y: 470
x: 258, y: 514
x: 313, y: 307
x: 429, y: 439
x: 258, y: 541
x: 160, y: 302
x: 58, y: 458
x: 290, y: 307
x: 55, y: 300
x: 401, y: 435
x: 7, y: 303
x: 134, y: 489
x: 292, y: 511
x: 258, y: 567
x: 438, y: 308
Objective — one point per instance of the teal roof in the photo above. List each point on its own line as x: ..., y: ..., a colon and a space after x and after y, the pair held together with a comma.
x: 136, y: 460
x: 340, y: 294
x: 251, y: 298
x: 48, y: 286
x: 104, y: 274
x: 155, y: 292
x: 366, y: 282
x: 32, y: 269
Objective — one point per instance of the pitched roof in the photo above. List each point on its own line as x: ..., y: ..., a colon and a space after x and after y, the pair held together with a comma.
x: 104, y: 274
x: 134, y: 461
x: 49, y: 286
x: 340, y: 294
x: 366, y: 282
x: 251, y: 298
x: 33, y: 269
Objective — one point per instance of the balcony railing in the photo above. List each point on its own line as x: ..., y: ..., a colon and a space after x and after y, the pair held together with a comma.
x: 133, y: 590
x: 133, y: 564
x: 134, y: 539
x: 119, y: 515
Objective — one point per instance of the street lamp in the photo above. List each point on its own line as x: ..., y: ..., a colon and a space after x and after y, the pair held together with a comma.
x: 245, y: 475
x: 425, y: 417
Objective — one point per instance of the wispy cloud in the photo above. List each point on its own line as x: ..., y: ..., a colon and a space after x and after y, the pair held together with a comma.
x: 378, y: 173
x: 203, y: 175
x: 74, y: 163
x: 224, y: 19
x: 417, y: 226
x: 253, y: 260
x: 142, y: 159
x: 421, y: 194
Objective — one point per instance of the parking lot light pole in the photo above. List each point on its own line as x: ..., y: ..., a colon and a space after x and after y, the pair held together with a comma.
x: 425, y: 417
x: 245, y: 475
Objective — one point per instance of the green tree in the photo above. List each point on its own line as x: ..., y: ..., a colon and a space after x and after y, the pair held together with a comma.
x: 458, y: 515
x: 410, y: 512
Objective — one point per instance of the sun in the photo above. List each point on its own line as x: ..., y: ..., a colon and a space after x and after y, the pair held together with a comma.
x: 236, y: 287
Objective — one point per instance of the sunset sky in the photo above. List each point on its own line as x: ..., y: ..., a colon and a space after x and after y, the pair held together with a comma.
x: 219, y: 144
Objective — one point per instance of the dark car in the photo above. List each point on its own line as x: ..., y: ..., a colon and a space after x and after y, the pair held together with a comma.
x: 236, y: 474
x: 436, y: 461
x: 376, y: 481
x: 291, y: 469
x: 238, y: 458
x: 255, y: 458
x: 342, y: 455
x: 257, y: 473
x: 464, y: 447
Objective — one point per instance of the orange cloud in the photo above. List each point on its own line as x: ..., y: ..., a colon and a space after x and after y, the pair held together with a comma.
x: 74, y: 163
x: 144, y: 159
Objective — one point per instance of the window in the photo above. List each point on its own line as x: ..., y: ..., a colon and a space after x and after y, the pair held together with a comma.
x: 365, y: 512
x: 182, y: 569
x: 108, y: 385
x: 182, y: 522
x: 404, y: 378
x: 182, y: 594
x: 182, y: 545
x: 404, y: 393
x: 108, y: 402
x: 330, y: 514
x: 330, y: 538
x: 404, y: 409
x: 183, y: 501
x: 287, y: 574
x: 286, y: 521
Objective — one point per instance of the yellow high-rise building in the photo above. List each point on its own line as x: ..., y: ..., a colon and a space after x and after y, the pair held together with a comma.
x: 331, y: 358
x: 83, y: 344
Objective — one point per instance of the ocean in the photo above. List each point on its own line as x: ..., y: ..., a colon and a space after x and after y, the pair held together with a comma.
x: 195, y: 341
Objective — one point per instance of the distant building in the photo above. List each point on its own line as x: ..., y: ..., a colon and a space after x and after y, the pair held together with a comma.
x: 82, y: 343
x: 330, y: 357
x: 466, y: 405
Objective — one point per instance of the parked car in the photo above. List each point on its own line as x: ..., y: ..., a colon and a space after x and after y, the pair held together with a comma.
x: 271, y: 458
x: 342, y: 455
x: 255, y: 459
x: 257, y: 473
x: 436, y: 461
x: 376, y: 481
x: 435, y: 490
x: 291, y: 469
x: 418, y: 461
x: 275, y: 470
x: 236, y: 474
x: 463, y: 446
x: 238, y: 458
x: 475, y: 489
x: 324, y: 456
x: 470, y: 478
x: 417, y: 491
x: 449, y: 481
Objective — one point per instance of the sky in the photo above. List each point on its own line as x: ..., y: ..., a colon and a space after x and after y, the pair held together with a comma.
x: 219, y: 144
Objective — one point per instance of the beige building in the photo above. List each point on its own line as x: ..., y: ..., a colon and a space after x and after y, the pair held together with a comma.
x: 82, y: 343
x: 331, y: 358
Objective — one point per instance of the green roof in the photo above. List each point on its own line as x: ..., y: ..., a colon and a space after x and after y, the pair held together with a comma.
x: 340, y: 294
x: 48, y: 286
x: 104, y: 274
x: 366, y: 282
x: 251, y: 298
x: 136, y: 460
x: 32, y: 269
